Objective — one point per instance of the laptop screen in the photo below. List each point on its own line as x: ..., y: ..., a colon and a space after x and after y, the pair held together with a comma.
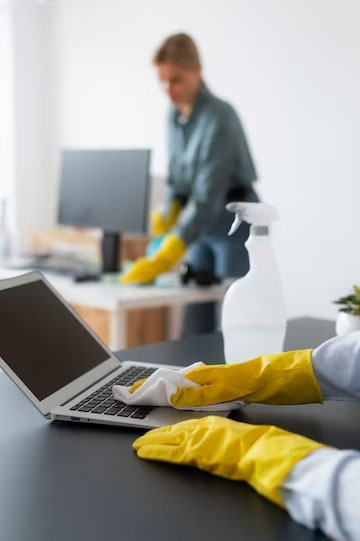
x: 42, y: 341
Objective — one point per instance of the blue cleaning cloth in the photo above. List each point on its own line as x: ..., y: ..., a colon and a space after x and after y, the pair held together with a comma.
x: 154, y: 245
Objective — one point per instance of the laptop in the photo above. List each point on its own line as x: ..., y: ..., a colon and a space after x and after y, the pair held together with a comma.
x: 62, y: 366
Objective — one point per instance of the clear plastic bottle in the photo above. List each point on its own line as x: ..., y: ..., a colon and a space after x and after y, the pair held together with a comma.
x: 253, y: 313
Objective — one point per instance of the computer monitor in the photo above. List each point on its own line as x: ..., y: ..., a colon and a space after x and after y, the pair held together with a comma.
x: 105, y: 189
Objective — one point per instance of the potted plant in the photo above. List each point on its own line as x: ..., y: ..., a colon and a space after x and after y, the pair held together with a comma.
x: 348, y: 319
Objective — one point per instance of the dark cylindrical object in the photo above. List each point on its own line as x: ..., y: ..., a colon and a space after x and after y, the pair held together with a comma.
x: 110, y: 251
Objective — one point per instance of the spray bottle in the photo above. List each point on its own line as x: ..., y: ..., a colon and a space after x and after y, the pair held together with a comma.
x: 253, y: 313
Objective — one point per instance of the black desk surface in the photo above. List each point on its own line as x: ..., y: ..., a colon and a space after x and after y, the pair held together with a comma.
x: 62, y: 481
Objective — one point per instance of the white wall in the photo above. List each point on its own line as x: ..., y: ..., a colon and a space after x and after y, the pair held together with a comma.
x: 34, y: 119
x: 6, y: 106
x: 291, y: 69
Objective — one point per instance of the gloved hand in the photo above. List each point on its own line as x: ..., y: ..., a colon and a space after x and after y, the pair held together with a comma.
x: 145, y: 269
x: 162, y: 223
x: 260, y: 455
x: 282, y: 378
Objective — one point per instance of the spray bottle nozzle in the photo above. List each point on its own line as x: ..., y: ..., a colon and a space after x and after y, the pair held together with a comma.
x: 253, y: 213
x: 235, y: 225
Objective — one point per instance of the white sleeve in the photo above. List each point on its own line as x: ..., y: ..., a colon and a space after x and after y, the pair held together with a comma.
x: 336, y: 365
x: 323, y: 491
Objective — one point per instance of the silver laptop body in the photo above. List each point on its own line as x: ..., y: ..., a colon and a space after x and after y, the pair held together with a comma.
x: 58, y: 362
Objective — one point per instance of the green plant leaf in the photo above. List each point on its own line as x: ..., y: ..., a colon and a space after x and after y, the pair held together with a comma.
x: 344, y: 300
x: 357, y: 291
x: 350, y: 303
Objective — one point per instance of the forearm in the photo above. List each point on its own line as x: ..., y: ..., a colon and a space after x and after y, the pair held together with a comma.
x: 323, y: 491
x: 198, y: 217
x: 165, y: 217
x: 319, y: 486
x: 336, y: 365
x: 170, y: 198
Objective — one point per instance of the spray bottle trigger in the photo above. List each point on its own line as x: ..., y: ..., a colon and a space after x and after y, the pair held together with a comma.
x: 235, y: 225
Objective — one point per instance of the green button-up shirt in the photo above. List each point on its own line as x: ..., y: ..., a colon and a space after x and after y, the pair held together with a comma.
x: 208, y: 159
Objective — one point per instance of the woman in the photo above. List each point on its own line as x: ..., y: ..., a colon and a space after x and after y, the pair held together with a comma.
x: 209, y: 165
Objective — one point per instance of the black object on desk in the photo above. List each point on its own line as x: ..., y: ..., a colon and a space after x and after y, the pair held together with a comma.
x: 204, y: 278
x: 67, y: 481
x: 87, y: 276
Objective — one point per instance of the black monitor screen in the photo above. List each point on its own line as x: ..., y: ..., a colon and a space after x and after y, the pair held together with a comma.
x: 106, y: 189
x: 42, y: 341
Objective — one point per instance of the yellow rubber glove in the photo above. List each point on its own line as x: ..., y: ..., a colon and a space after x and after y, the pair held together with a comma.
x: 260, y: 455
x: 162, y: 223
x: 281, y: 378
x: 145, y: 269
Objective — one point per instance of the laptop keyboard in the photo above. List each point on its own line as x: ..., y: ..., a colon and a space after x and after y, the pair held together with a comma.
x: 102, y: 401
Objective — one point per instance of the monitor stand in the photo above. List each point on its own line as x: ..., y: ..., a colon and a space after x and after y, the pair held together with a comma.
x: 110, y: 251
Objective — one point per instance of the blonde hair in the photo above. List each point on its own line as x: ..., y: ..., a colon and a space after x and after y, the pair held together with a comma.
x: 179, y: 49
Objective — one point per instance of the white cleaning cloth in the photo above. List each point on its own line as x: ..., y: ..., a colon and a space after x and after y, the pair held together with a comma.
x: 158, y: 389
